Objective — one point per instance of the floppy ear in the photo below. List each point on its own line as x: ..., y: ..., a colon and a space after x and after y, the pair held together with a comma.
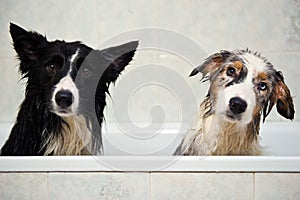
x: 211, y: 64
x: 118, y: 58
x: 25, y: 44
x: 280, y: 96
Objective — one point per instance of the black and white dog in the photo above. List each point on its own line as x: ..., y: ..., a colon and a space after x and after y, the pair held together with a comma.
x: 65, y: 94
x: 243, y: 86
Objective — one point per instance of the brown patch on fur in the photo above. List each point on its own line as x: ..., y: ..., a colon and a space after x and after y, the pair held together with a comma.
x: 238, y: 65
x: 236, y: 141
x: 256, y: 111
x: 254, y: 125
x: 263, y: 76
x: 282, y: 97
x: 212, y: 64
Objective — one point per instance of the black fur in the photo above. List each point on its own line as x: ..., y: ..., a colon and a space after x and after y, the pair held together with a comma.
x: 36, y: 119
x: 240, y: 78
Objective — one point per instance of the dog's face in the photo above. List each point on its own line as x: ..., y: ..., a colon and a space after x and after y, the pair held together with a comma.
x: 60, y: 73
x: 244, y: 85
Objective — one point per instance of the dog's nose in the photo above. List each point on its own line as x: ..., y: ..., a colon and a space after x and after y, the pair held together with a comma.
x: 64, y: 98
x: 237, y: 105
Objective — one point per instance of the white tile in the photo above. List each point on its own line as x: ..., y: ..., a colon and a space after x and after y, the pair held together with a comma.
x: 277, y: 186
x: 11, y: 89
x: 225, y: 24
x: 26, y: 186
x: 22, y: 13
x: 291, y: 24
x: 194, y: 186
x: 92, y: 186
x: 162, y: 82
x: 115, y: 17
x: 129, y: 102
x: 69, y: 21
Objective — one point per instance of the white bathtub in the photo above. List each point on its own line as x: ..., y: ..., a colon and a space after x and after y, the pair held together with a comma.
x: 152, y: 153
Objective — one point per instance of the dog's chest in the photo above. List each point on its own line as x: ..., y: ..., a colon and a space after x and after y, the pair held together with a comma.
x: 74, y: 138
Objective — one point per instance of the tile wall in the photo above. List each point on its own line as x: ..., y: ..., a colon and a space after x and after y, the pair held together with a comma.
x: 270, y: 27
x: 149, y: 186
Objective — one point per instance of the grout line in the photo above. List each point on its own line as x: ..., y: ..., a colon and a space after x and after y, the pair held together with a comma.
x: 47, y: 184
x: 254, y: 186
x: 150, y: 186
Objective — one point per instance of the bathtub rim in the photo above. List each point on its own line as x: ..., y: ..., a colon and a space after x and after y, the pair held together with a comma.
x: 150, y: 163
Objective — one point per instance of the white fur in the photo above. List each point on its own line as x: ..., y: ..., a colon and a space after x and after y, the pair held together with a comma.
x: 217, y: 136
x: 73, y: 57
x: 67, y: 83
x: 74, y: 139
x: 254, y: 63
x: 243, y: 90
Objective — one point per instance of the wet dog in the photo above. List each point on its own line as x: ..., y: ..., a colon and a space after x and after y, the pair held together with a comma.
x: 243, y: 87
x: 65, y: 94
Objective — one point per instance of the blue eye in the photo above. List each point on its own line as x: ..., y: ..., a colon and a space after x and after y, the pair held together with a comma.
x: 262, y: 86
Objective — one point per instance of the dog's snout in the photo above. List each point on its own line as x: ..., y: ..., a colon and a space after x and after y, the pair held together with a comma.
x: 64, y: 98
x: 237, y: 105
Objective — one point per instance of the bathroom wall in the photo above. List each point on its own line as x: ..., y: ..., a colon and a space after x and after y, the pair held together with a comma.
x: 270, y: 27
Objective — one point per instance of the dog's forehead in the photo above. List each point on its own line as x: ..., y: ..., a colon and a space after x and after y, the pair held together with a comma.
x: 255, y: 63
x: 69, y: 49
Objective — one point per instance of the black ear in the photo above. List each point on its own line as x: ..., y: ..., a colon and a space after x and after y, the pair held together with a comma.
x: 280, y: 96
x: 212, y: 63
x: 26, y: 43
x: 118, y: 58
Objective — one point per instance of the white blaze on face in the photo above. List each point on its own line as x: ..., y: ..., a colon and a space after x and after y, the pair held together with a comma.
x: 67, y: 84
x: 243, y: 90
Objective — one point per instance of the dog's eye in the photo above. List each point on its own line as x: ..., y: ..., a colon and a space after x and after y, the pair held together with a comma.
x: 52, y: 68
x: 262, y: 86
x: 231, y: 71
x: 86, y: 72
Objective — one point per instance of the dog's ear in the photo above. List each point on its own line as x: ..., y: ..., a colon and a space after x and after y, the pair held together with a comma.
x: 118, y: 58
x: 26, y: 43
x: 280, y: 96
x: 212, y: 63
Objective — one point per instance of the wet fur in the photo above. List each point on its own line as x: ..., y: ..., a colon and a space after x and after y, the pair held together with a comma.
x: 213, y: 134
x: 74, y: 139
x: 221, y: 138
x: 39, y: 130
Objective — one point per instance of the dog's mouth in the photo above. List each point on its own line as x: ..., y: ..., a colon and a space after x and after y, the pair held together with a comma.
x: 232, y: 117
x: 63, y: 112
